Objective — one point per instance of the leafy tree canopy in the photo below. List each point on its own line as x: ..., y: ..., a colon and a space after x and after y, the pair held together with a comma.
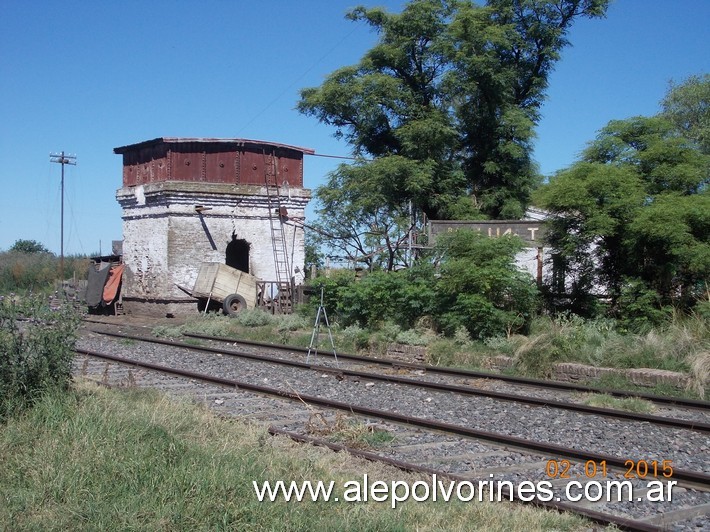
x: 636, y: 209
x: 358, y: 227
x: 445, y: 104
x: 28, y: 246
x: 686, y: 105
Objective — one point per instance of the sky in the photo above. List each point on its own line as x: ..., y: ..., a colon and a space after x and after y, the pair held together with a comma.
x: 85, y: 77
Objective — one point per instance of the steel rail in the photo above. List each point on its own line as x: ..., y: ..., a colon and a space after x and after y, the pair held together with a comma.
x: 598, y: 517
x: 449, y: 388
x: 546, y: 449
x: 540, y: 383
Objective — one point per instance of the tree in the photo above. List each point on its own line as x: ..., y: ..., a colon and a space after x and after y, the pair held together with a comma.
x: 687, y: 107
x: 28, y: 246
x: 503, y: 55
x: 361, y: 228
x: 446, y: 103
x: 633, y: 215
x: 481, y: 288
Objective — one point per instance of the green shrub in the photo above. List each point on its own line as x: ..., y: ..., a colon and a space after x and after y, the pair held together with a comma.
x: 639, y: 307
x: 254, y: 318
x: 210, y: 324
x: 387, y: 332
x: 167, y: 331
x: 291, y: 322
x: 36, y: 354
x: 480, y: 287
x: 413, y: 337
x: 357, y: 337
x: 332, y: 286
x: 477, y: 287
x: 702, y: 310
x: 400, y: 297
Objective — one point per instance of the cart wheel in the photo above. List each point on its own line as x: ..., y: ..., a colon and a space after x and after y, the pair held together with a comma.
x: 233, y: 304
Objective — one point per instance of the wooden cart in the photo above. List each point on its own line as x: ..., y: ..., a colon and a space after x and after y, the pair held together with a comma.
x: 234, y: 289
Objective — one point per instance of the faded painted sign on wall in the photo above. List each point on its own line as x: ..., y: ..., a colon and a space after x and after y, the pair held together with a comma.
x: 531, y: 232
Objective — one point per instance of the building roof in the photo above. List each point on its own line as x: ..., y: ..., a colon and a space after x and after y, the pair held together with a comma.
x: 207, y: 140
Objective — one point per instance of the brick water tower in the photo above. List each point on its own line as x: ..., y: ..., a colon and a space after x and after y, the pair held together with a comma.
x: 191, y: 200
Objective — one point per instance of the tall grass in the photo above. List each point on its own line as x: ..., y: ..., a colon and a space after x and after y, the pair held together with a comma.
x: 682, y: 345
x: 21, y: 271
x: 35, y: 353
x: 127, y: 460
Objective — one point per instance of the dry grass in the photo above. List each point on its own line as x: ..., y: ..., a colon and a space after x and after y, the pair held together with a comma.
x: 700, y: 373
x: 348, y: 431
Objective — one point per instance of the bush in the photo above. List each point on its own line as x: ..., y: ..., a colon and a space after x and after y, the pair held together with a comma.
x: 477, y: 287
x: 253, y: 318
x: 639, y: 307
x: 357, y: 337
x: 413, y: 337
x: 291, y: 322
x: 36, y: 354
x: 332, y: 286
x: 702, y: 310
x: 481, y: 288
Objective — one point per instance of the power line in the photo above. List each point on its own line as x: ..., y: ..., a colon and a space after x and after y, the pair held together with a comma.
x: 299, y: 78
x: 62, y: 159
x: 338, y: 157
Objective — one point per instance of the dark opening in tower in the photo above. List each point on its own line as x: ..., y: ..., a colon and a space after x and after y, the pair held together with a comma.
x: 237, y: 254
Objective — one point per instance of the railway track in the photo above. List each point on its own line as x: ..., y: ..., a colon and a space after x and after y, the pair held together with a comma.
x: 465, y: 374
x: 698, y: 423
x: 437, y: 438
x: 470, y: 377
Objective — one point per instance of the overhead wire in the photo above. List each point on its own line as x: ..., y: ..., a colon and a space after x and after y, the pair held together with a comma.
x: 299, y: 78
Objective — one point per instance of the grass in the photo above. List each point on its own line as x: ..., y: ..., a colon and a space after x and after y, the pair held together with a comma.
x: 100, y: 459
x: 347, y: 431
x: 629, y: 404
x: 682, y: 345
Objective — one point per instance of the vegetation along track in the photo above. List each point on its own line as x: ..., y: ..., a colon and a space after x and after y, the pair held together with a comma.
x: 699, y: 422
x: 464, y: 373
x: 494, y: 448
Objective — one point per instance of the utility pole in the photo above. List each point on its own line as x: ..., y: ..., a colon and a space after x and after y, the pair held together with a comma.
x: 62, y: 159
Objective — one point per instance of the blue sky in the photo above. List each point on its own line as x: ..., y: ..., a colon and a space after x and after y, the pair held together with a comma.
x: 86, y: 77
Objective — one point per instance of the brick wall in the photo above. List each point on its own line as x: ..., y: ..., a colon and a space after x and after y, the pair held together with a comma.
x: 166, y: 239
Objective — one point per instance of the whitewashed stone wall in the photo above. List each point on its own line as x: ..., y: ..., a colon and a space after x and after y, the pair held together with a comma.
x: 166, y: 238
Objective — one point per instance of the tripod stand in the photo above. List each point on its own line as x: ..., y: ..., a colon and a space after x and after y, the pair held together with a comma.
x: 316, y: 332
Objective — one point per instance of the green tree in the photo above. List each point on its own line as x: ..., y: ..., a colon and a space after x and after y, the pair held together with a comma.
x: 502, y: 57
x: 29, y: 246
x: 481, y: 288
x: 633, y: 216
x: 445, y: 104
x: 686, y: 105
x: 359, y: 227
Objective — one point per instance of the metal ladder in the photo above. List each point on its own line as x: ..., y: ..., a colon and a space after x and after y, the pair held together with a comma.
x: 283, y: 299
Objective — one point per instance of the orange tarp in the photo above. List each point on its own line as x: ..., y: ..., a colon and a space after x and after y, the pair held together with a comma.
x: 112, y: 283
